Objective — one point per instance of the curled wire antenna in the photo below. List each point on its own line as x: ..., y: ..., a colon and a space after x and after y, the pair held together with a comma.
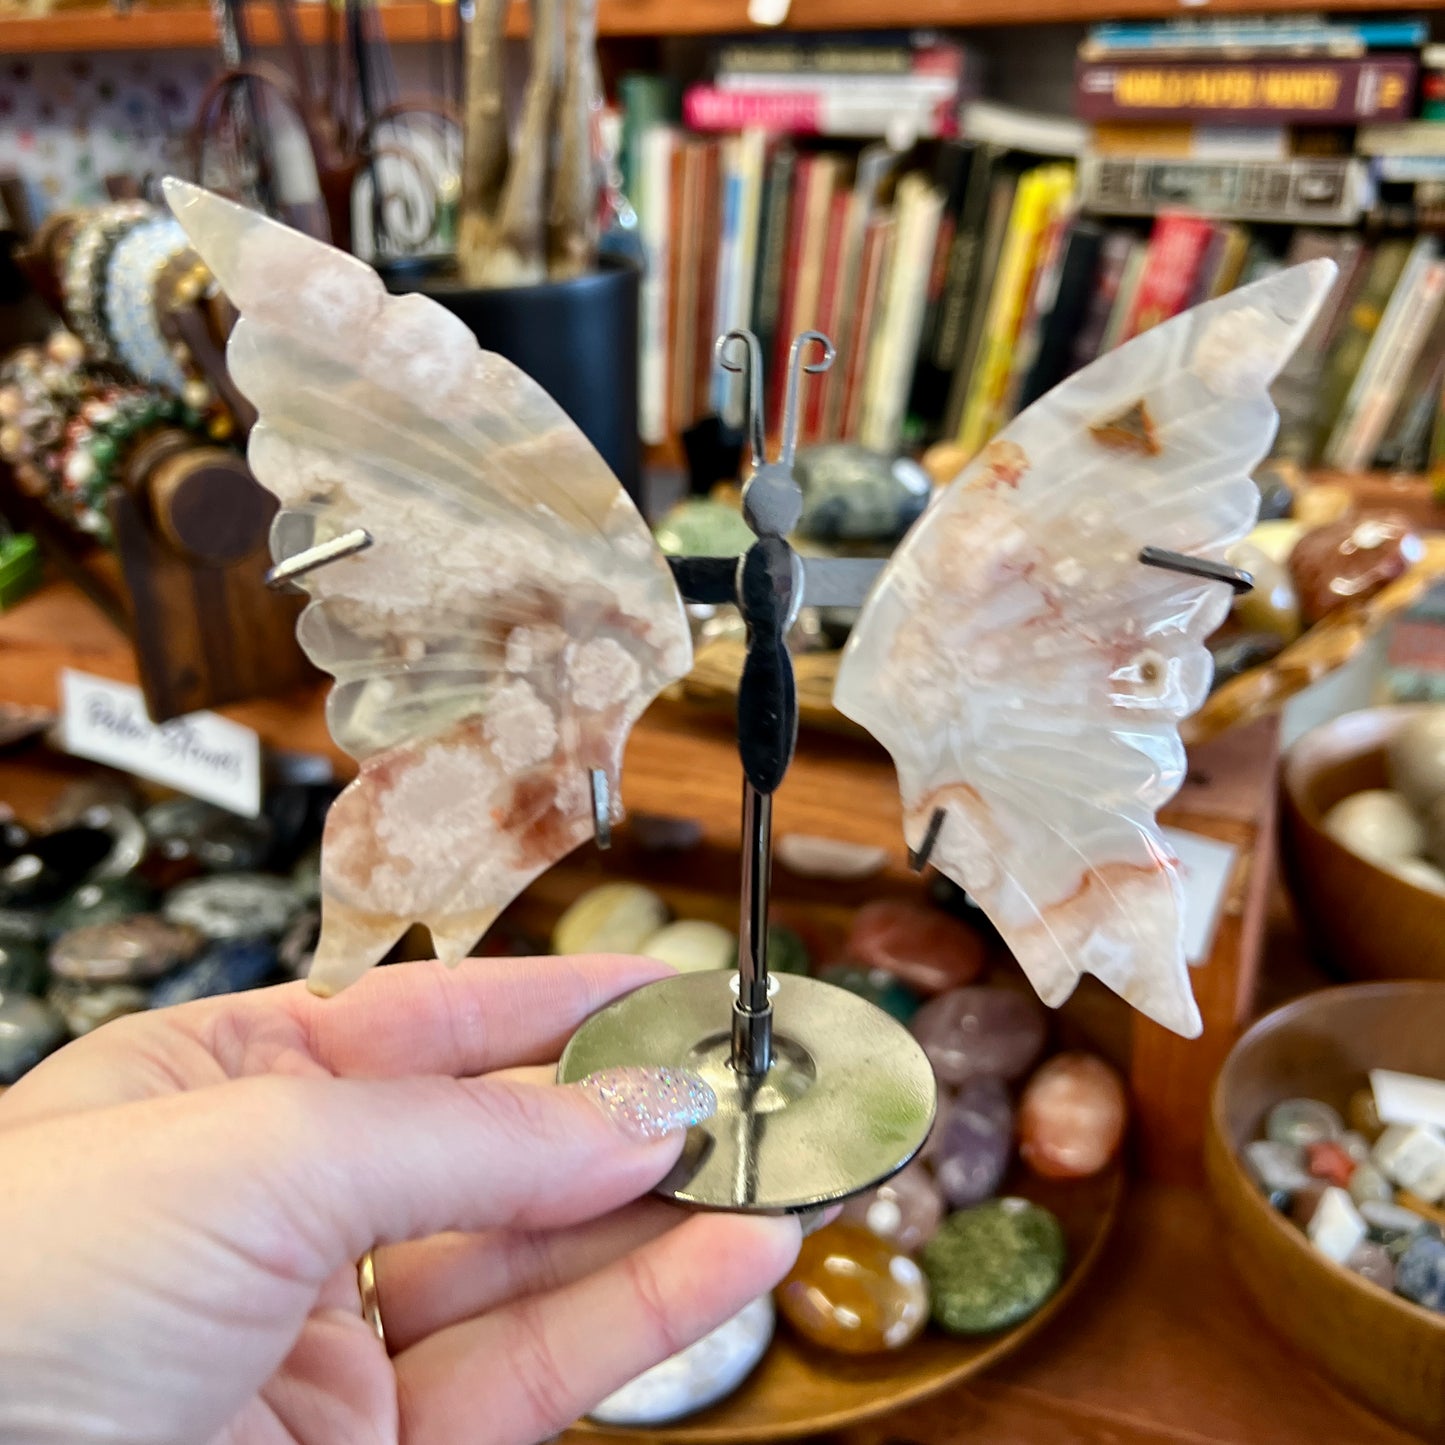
x: 747, y: 359
x: 796, y: 367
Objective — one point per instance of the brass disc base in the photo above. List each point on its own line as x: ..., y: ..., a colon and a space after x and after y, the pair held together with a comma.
x: 849, y: 1100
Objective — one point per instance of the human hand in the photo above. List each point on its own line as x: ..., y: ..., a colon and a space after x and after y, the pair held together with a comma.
x: 184, y: 1195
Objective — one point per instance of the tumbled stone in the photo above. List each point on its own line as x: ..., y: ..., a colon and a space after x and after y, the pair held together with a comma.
x: 923, y: 946
x: 696, y: 1377
x: 905, y: 1210
x: 612, y: 918
x: 703, y: 527
x: 127, y: 951
x: 85, y: 1008
x: 1389, y: 1222
x: 787, y: 953
x: 1368, y: 1184
x: 1336, y: 1227
x: 852, y: 494
x: 106, y: 900
x: 1376, y: 825
x: 994, y: 1265
x: 1355, y: 1145
x: 22, y: 968
x: 980, y: 1030
x: 1420, y: 1273
x: 1415, y: 757
x: 50, y: 865
x: 1348, y: 561
x: 1302, y: 1122
x: 1303, y: 1202
x: 813, y: 857
x: 1362, y: 1115
x: 29, y: 1029
x: 975, y: 1141
x: 1071, y: 1117
x: 1327, y: 1160
x: 692, y: 945
x: 1414, y: 1157
x: 228, y: 967
x: 853, y: 1292
x: 1275, y: 1167
x: 235, y: 905
x: 880, y: 989
x: 1372, y: 1262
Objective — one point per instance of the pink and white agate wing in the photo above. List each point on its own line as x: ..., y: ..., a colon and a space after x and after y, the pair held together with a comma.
x: 1028, y: 674
x: 510, y: 623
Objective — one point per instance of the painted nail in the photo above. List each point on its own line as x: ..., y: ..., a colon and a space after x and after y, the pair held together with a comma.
x: 649, y: 1103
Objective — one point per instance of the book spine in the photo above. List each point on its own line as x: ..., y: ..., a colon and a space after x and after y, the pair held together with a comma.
x: 1172, y: 37
x: 1040, y: 290
x: 1113, y: 258
x: 1402, y: 335
x: 877, y: 255
x: 788, y: 308
x: 722, y: 184
x: 680, y: 289
x: 1063, y: 319
x: 830, y: 303
x: 775, y: 236
x: 1123, y: 305
x: 1035, y: 195
x: 1176, y: 252
x: 654, y: 218
x: 648, y: 101
x: 844, y: 112
x: 752, y: 157
x: 1328, y: 190
x: 1344, y: 91
x: 862, y: 61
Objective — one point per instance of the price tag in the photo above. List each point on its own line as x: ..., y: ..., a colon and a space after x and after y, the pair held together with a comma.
x: 1205, y: 865
x: 202, y: 754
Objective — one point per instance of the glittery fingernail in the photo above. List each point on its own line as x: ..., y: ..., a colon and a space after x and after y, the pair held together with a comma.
x: 649, y: 1103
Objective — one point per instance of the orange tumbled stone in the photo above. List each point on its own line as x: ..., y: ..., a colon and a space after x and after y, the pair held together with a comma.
x: 851, y: 1291
x: 1071, y: 1117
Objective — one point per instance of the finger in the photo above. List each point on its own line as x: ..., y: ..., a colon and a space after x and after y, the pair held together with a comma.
x: 331, y: 1167
x: 538, y: 1074
x: 533, y: 1367
x: 433, y: 1283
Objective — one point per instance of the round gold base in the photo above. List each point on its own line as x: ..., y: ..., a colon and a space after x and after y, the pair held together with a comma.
x: 849, y: 1100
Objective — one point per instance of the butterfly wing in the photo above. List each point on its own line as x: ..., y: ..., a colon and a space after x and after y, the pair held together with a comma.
x: 510, y: 622
x: 1028, y: 674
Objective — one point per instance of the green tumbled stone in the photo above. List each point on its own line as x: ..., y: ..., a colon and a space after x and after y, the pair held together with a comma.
x: 787, y: 953
x: 994, y: 1265
x: 879, y: 988
x: 107, y: 900
x: 102, y: 451
x: 22, y: 968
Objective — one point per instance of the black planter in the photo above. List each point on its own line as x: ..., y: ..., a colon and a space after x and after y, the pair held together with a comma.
x: 576, y: 338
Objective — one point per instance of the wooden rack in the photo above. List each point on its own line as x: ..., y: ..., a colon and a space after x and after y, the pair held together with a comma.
x: 188, y: 26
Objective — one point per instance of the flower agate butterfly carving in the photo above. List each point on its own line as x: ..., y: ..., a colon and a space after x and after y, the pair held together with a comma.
x: 513, y: 618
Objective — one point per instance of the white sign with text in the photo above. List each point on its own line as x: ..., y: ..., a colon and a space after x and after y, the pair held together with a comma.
x: 1206, y: 866
x: 202, y: 754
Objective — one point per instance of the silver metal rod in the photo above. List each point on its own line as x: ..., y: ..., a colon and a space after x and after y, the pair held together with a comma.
x: 753, y: 1011
x: 346, y: 545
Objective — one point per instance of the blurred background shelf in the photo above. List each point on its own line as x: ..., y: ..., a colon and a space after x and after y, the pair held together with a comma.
x: 184, y: 27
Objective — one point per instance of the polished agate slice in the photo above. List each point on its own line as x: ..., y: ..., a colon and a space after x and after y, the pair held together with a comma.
x: 510, y: 622
x: 1028, y: 674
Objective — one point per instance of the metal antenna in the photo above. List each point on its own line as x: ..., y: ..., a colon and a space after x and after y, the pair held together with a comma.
x: 750, y: 365
x: 795, y: 368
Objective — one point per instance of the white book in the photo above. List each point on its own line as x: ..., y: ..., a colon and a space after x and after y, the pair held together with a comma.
x: 744, y: 177
x: 1023, y: 130
x: 1344, y: 441
x: 653, y: 203
x: 895, y: 350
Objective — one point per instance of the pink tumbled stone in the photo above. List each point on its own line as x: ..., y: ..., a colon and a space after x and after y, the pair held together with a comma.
x: 905, y: 1210
x: 1071, y: 1117
x: 972, y: 1031
x: 924, y: 948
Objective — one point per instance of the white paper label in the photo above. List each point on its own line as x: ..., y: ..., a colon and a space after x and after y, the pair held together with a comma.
x: 1205, y: 866
x: 202, y: 754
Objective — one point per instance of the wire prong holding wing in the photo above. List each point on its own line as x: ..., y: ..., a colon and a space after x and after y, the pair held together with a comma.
x: 1197, y: 567
x: 750, y: 365
x: 601, y: 808
x: 918, y: 858
x: 348, y: 544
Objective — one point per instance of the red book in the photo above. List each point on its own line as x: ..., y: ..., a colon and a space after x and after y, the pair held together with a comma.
x: 777, y: 364
x: 708, y: 223
x: 877, y: 244
x: 1326, y: 91
x: 1177, y: 247
x: 830, y: 307
x: 679, y: 318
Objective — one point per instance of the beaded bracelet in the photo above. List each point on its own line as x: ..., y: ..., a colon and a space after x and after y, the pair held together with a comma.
x: 82, y: 280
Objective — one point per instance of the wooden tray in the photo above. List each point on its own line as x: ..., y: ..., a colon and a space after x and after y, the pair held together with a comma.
x: 799, y: 1390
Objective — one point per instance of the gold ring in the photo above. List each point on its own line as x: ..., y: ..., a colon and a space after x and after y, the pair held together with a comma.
x: 370, y: 1300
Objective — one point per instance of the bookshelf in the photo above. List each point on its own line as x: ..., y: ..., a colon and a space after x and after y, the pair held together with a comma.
x: 184, y: 27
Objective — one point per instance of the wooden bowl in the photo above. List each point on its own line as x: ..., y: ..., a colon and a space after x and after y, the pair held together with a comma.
x: 1382, y: 1348
x: 798, y: 1390
x: 1365, y: 922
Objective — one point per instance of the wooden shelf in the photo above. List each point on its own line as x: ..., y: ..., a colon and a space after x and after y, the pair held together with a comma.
x: 191, y: 26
